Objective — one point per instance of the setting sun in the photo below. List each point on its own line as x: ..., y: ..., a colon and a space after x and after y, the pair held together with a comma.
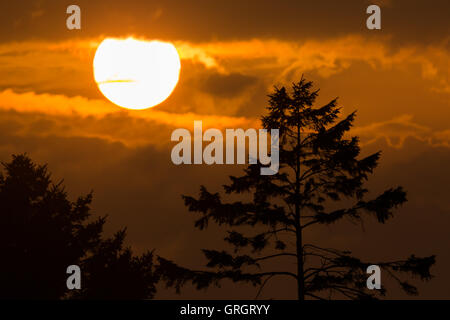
x: 136, y: 74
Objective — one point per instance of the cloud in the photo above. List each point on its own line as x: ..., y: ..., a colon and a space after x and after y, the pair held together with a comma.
x: 271, y: 58
x: 79, y: 116
x: 288, y: 59
x: 58, y: 115
x: 396, y: 131
x: 227, y: 85
x: 221, y: 81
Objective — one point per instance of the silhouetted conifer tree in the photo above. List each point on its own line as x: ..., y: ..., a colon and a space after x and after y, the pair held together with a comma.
x: 42, y: 233
x: 319, y: 167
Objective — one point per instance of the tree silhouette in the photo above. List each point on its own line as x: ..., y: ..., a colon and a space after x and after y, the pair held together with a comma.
x: 319, y: 170
x: 43, y: 233
x: 112, y: 272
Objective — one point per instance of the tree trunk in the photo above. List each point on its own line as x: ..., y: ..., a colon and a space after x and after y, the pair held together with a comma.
x: 299, y: 242
x: 300, y: 278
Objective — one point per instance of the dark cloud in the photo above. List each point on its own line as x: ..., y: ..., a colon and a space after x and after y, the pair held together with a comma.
x: 203, y: 20
x: 228, y: 85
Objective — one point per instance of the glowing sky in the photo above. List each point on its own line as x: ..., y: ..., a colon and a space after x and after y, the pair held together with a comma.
x: 232, y: 53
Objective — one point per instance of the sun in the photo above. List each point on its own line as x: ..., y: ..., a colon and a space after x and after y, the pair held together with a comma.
x: 136, y: 74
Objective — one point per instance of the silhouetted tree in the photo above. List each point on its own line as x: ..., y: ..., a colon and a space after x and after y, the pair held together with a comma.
x: 42, y: 233
x: 319, y: 167
x: 112, y: 272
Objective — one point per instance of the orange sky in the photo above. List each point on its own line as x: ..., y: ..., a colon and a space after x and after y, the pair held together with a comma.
x: 232, y: 54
